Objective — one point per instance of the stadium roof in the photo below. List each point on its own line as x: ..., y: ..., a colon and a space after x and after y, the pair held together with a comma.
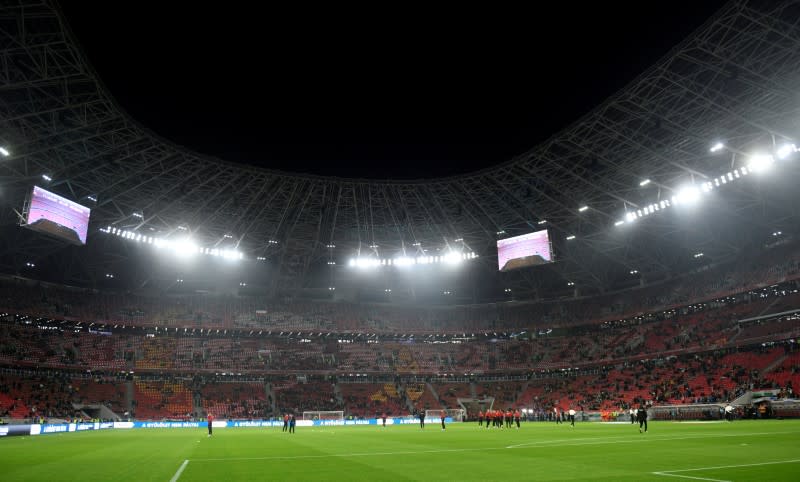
x: 735, y: 79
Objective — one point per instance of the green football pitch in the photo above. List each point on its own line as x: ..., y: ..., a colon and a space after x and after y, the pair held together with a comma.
x: 742, y: 450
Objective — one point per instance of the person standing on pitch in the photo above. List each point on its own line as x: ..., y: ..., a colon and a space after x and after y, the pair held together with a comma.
x: 210, y: 419
x: 572, y: 417
x: 641, y: 414
x: 557, y: 415
x: 285, y: 422
x: 729, y: 412
x: 480, y: 418
x: 421, y: 415
x: 633, y: 415
x: 291, y: 423
x: 442, y: 414
x: 384, y: 419
x: 517, y: 416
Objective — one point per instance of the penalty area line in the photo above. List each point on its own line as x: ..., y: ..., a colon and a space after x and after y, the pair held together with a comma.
x: 179, y: 472
x: 674, y: 473
x: 665, y: 474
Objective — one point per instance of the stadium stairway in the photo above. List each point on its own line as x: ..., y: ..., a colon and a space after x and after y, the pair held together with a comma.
x: 197, y: 403
x: 522, y: 390
x: 778, y: 362
x: 270, y: 396
x: 768, y: 307
x: 338, y: 394
x: 129, y: 396
x: 409, y: 403
x: 433, y: 391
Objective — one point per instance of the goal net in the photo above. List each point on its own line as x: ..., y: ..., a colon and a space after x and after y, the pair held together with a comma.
x: 456, y: 414
x: 324, y: 415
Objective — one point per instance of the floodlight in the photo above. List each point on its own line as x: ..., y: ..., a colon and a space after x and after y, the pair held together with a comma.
x: 583, y: 208
x: 46, y: 177
x: 760, y: 162
x: 785, y: 151
x: 403, y: 261
x: 185, y: 247
x: 717, y: 147
x: 618, y: 223
x: 4, y: 152
x: 631, y: 216
x: 543, y: 221
x: 688, y: 195
x: 570, y: 237
x: 452, y: 257
x: 645, y: 182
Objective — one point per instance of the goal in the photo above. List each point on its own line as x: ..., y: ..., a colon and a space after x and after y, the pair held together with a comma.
x: 325, y: 415
x: 456, y: 414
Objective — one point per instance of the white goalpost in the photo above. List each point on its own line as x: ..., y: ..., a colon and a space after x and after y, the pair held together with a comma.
x: 456, y: 414
x: 324, y: 415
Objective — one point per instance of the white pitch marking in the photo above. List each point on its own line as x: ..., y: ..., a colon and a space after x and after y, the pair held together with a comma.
x: 631, y: 439
x: 664, y: 474
x: 596, y: 441
x: 672, y: 473
x: 180, y: 471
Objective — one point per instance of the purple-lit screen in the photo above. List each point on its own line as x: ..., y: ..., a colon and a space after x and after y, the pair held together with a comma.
x: 525, y: 250
x: 60, y: 217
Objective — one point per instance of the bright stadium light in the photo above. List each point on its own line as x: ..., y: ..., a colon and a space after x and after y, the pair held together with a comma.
x: 4, y: 152
x: 644, y: 183
x: 583, y: 208
x: 403, y: 261
x: 46, y: 177
x: 717, y: 147
x: 785, y: 151
x: 619, y: 223
x: 570, y: 237
x: 231, y: 254
x: 760, y: 162
x: 687, y: 195
x: 185, y: 247
x: 543, y: 221
x: 630, y: 216
x: 452, y: 257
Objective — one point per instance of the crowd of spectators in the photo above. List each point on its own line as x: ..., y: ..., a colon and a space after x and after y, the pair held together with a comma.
x: 678, y: 341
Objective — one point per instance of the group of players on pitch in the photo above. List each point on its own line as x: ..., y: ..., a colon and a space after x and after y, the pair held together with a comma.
x: 498, y: 418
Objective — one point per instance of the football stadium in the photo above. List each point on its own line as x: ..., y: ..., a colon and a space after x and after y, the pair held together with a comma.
x: 615, y: 299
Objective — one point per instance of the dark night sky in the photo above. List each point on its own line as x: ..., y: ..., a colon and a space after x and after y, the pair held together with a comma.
x: 407, y: 93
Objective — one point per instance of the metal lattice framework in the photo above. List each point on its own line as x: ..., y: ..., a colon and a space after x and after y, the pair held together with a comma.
x: 736, y: 78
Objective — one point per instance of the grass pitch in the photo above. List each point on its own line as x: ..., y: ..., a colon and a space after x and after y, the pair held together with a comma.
x: 742, y: 450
